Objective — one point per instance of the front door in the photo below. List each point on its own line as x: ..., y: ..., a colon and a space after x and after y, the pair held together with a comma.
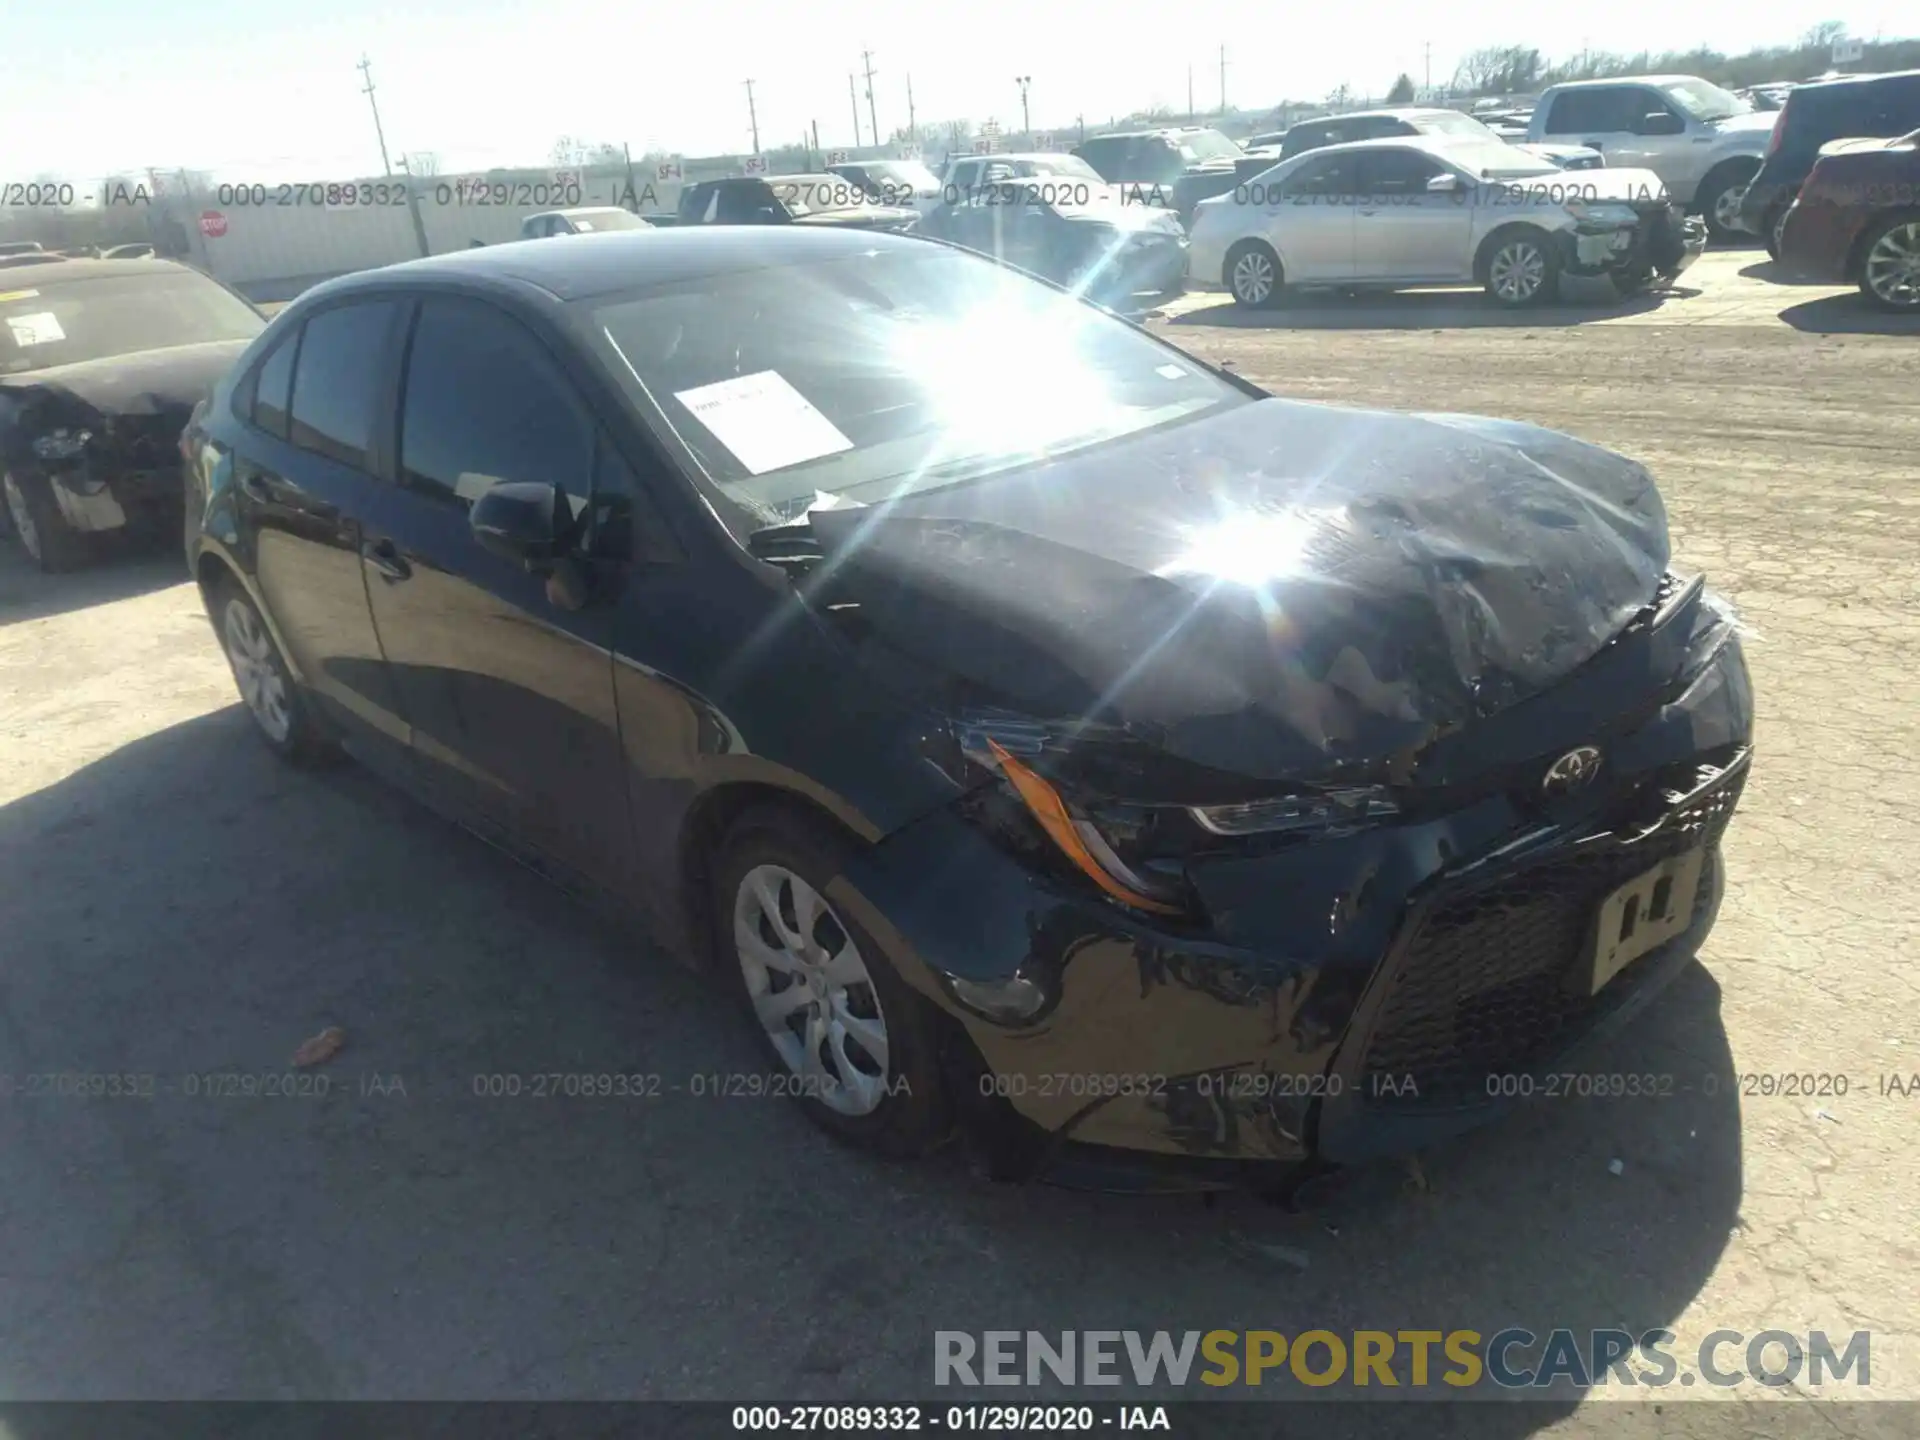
x: 507, y: 673
x: 1310, y: 215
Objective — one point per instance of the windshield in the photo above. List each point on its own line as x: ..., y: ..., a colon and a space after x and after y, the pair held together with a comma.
x: 903, y: 175
x: 1703, y: 101
x: 72, y: 321
x: 1205, y: 145
x: 1071, y: 166
x: 606, y: 220
x: 851, y: 380
x: 1452, y: 122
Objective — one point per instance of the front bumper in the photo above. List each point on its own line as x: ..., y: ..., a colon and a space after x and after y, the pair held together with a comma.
x: 1663, y: 241
x: 1439, y: 951
x: 1155, y: 266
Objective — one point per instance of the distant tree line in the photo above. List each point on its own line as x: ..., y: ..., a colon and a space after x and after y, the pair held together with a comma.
x: 1522, y: 70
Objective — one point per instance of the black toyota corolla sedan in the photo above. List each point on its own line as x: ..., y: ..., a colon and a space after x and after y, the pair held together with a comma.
x: 1043, y: 734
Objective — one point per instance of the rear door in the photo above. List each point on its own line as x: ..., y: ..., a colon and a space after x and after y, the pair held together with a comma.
x: 304, y: 480
x: 1401, y: 232
x: 1604, y: 118
x: 507, y: 673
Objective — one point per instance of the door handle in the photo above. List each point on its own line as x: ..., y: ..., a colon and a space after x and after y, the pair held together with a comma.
x: 381, y: 555
x: 1369, y: 212
x: 254, y: 488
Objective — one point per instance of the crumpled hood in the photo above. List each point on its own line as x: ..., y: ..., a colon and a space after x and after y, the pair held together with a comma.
x: 1283, y: 591
x: 143, y: 383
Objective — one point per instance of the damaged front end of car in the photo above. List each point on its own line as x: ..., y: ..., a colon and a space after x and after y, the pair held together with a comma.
x: 1630, y: 242
x: 1313, y: 767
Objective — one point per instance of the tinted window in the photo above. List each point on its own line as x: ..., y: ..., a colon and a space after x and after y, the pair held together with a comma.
x: 336, y: 383
x: 1603, y: 110
x: 482, y: 404
x: 1395, y: 172
x: 1331, y: 176
x: 272, y: 382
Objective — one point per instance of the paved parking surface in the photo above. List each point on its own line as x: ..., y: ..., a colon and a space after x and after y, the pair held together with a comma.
x: 174, y: 903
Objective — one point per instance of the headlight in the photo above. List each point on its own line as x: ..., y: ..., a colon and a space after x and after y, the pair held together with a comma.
x: 1602, y: 212
x: 1136, y: 853
x: 62, y: 444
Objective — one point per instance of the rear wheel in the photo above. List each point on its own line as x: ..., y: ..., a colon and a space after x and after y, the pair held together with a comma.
x: 1890, y: 264
x: 1521, y: 268
x: 851, y: 1041
x: 1776, y: 226
x: 280, y: 712
x: 38, y: 525
x: 1253, y: 275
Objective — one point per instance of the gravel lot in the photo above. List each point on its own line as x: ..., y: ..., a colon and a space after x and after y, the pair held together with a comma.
x: 174, y: 902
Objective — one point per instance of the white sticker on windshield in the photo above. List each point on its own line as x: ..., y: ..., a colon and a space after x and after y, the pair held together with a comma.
x: 1170, y: 372
x: 764, y: 421
x: 37, y: 329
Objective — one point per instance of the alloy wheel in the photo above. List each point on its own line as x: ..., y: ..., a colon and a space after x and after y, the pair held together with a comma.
x: 1726, y: 208
x: 1252, y: 278
x: 1892, y: 267
x: 21, y: 516
x: 256, y: 669
x: 811, y: 990
x: 1517, y: 271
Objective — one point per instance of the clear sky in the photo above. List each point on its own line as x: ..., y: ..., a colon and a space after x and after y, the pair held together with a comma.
x: 267, y: 90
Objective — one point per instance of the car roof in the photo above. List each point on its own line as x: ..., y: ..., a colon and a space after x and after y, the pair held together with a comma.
x: 59, y: 271
x: 609, y: 262
x: 1628, y: 80
x: 1852, y: 80
x: 1020, y: 155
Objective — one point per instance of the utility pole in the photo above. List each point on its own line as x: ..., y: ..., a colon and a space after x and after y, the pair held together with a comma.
x: 873, y: 120
x: 853, y: 99
x: 913, y: 126
x: 1191, y: 112
x: 413, y: 208
x: 365, y: 67
x: 753, y: 118
x: 1026, y: 116
x: 1428, y: 95
x: 1223, y: 79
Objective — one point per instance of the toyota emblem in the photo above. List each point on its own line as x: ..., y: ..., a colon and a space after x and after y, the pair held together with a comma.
x: 1572, y: 771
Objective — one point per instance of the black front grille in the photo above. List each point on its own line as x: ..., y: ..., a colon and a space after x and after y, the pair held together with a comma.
x: 1492, y: 981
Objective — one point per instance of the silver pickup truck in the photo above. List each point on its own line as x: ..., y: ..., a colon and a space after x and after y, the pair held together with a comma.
x: 1704, y: 142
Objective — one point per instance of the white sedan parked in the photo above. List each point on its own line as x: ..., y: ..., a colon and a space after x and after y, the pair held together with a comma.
x: 1432, y: 210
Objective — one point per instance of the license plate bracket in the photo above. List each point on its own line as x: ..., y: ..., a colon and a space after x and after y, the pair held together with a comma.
x: 1644, y: 914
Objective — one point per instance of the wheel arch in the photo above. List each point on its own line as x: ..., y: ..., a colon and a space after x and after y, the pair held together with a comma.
x: 1857, y: 250
x: 710, y: 817
x: 1244, y: 242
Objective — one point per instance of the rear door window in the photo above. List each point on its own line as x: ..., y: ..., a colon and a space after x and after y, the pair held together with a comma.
x: 337, y: 380
x: 1600, y: 110
x: 273, y: 383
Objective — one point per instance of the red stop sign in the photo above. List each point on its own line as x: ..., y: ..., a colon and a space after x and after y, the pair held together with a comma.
x: 212, y: 223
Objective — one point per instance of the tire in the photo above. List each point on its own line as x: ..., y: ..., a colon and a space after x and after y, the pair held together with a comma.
x: 1253, y: 275
x: 1776, y: 220
x: 281, y: 713
x: 37, y: 524
x: 771, y: 864
x: 1719, y: 203
x: 1520, y: 268
x: 1890, y: 263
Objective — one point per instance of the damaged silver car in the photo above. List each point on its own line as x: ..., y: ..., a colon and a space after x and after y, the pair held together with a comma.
x: 1437, y: 210
x: 101, y: 362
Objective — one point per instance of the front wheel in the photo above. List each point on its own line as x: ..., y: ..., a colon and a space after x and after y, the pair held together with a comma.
x: 1253, y: 275
x: 38, y: 525
x: 1522, y: 269
x: 850, y: 1041
x: 1890, y: 264
x: 1776, y: 229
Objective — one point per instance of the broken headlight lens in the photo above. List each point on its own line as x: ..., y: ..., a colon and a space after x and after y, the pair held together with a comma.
x: 62, y: 444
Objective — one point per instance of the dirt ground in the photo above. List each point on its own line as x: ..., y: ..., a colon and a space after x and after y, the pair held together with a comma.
x: 175, y: 903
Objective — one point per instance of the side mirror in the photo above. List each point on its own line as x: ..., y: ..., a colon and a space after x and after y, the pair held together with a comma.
x: 523, y: 521
x: 1443, y: 184
x: 1659, y: 122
